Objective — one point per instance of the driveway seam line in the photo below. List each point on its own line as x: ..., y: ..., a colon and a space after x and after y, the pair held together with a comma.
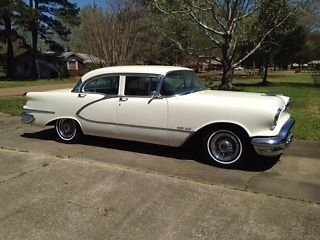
x: 121, y: 167
x: 27, y: 172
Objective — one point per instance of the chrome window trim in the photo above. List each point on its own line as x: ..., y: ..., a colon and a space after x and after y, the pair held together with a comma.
x: 160, y: 77
x: 84, y: 83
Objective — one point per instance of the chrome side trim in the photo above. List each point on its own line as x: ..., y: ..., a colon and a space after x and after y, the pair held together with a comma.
x: 104, y: 97
x: 134, y: 126
x: 38, y: 111
x: 94, y: 121
x: 273, y: 146
x: 27, y: 118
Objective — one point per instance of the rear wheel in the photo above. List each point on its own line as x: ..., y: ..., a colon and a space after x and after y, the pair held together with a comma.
x: 68, y: 130
x: 226, y: 147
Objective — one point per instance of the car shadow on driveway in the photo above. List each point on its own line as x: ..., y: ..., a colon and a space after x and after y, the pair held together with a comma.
x: 190, y: 151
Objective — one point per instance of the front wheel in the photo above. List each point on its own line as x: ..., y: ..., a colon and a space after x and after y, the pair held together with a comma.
x: 226, y: 148
x: 68, y: 130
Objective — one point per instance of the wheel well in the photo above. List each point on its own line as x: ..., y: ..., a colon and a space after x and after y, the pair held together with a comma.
x: 53, y: 122
x: 197, y: 137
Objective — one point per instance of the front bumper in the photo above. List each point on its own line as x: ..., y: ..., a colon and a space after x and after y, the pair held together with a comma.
x: 273, y: 146
x: 27, y: 118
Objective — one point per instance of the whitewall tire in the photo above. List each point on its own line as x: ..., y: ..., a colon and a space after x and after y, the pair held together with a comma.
x: 225, y: 147
x: 68, y: 130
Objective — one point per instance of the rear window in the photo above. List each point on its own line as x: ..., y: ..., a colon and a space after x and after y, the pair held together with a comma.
x: 104, y: 84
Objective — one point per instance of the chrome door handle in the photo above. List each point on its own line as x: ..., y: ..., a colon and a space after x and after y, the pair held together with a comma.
x: 123, y: 99
x: 81, y: 95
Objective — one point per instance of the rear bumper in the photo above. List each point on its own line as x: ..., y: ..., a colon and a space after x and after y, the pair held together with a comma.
x: 27, y: 118
x: 273, y: 146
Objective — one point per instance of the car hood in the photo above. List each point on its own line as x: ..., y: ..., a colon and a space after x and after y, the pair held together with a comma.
x: 62, y: 90
x: 239, y: 98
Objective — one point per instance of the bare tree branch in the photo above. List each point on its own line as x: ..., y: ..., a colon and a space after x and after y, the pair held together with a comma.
x: 190, y: 52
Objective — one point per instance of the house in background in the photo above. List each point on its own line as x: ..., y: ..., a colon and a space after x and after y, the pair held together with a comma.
x: 53, y: 65
x: 314, y: 64
x: 76, y: 62
x: 48, y: 65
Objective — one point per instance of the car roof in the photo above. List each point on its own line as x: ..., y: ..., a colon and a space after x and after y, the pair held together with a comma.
x: 134, y: 69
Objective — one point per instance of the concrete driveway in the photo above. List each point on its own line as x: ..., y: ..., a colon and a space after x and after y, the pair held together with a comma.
x: 110, y: 189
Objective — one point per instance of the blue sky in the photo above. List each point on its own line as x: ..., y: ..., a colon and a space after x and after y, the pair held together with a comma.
x: 82, y: 3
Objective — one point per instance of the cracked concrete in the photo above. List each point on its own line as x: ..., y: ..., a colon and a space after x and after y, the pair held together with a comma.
x: 73, y: 199
x: 111, y: 189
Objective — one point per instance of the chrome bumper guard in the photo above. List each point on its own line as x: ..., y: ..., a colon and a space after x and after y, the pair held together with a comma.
x: 273, y: 146
x: 27, y: 118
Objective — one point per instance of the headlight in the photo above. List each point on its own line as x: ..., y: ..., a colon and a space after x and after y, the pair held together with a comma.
x: 276, y: 117
x: 287, y: 105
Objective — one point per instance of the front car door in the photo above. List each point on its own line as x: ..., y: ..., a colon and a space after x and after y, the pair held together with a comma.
x: 140, y: 116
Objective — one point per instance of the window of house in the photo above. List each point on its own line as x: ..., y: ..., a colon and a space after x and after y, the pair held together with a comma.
x: 141, y: 85
x: 105, y: 84
x: 72, y: 65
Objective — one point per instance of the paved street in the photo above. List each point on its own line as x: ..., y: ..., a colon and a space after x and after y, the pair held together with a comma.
x: 111, y: 189
x: 19, y: 91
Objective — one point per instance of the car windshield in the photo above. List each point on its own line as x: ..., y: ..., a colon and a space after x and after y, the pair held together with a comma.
x: 77, y: 86
x: 181, y: 82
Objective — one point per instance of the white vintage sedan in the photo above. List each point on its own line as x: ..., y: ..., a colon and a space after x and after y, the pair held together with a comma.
x: 168, y: 106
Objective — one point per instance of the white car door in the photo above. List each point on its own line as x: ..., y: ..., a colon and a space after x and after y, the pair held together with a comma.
x: 98, y: 115
x: 140, y: 116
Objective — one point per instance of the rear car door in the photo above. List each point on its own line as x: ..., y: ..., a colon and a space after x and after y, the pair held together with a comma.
x: 98, y: 115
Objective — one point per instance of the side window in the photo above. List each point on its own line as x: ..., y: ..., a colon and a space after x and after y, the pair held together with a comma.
x: 91, y: 86
x: 106, y: 85
x: 140, y: 85
x: 180, y: 82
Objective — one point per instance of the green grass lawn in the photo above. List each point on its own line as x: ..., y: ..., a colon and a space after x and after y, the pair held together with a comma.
x: 28, y: 83
x: 12, y: 105
x: 305, y: 106
x: 305, y: 98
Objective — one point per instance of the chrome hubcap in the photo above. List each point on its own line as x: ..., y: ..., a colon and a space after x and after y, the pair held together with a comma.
x: 224, y: 147
x: 66, y: 129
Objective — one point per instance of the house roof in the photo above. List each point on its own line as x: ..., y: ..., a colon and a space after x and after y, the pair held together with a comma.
x: 158, y: 70
x: 86, y: 58
x: 51, y: 55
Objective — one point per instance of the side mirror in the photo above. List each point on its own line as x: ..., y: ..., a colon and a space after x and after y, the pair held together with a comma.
x: 154, y: 95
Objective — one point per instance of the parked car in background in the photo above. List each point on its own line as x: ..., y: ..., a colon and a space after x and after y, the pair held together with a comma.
x: 238, y: 68
x: 165, y: 105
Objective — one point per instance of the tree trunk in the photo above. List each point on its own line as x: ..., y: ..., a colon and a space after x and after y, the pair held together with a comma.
x: 34, y: 34
x: 227, y: 67
x: 266, y: 68
x: 227, y: 77
x: 10, y: 55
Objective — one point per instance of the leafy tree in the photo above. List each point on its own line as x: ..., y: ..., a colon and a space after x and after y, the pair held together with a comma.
x: 7, y: 14
x: 273, y: 42
x: 291, y: 48
x: 311, y: 49
x: 44, y: 18
x: 159, y: 32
